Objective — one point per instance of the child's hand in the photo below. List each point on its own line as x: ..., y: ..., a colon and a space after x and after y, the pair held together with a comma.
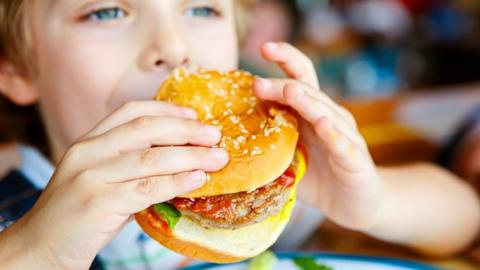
x: 134, y: 158
x: 341, y: 179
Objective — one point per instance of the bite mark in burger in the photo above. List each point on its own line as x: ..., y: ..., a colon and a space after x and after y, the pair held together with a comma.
x: 242, y: 209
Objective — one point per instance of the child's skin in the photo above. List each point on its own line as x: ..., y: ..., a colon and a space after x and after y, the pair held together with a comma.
x: 91, y: 66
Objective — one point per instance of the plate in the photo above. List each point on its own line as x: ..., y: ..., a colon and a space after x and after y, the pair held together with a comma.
x: 334, y: 260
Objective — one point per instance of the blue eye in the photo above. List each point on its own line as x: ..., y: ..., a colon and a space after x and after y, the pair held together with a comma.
x: 107, y: 14
x: 201, y: 12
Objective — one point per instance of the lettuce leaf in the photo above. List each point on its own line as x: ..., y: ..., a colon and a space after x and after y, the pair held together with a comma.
x: 168, y: 213
x: 307, y: 263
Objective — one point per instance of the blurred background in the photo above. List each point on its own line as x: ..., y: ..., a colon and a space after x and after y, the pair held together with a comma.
x: 409, y: 70
x: 365, y: 48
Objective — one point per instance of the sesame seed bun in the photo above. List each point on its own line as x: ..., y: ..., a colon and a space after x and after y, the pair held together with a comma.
x: 259, y: 136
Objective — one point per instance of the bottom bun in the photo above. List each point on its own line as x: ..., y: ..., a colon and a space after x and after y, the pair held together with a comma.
x: 223, y: 245
x: 220, y: 245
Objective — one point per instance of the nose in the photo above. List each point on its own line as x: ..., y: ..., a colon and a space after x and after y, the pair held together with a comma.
x: 167, y: 48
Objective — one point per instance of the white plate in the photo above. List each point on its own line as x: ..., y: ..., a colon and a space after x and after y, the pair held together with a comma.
x: 336, y: 261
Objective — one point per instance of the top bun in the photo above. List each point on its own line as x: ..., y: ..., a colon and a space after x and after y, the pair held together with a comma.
x: 259, y: 136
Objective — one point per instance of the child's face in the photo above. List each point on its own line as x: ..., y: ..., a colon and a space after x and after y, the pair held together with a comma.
x: 94, y: 55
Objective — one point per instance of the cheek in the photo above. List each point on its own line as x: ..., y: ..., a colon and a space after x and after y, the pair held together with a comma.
x: 76, y: 83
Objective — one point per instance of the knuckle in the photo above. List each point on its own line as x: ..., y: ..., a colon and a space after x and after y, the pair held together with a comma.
x: 148, y: 186
x: 75, y: 152
x: 141, y: 122
x: 87, y: 176
x: 88, y: 200
x: 130, y: 106
x: 149, y: 157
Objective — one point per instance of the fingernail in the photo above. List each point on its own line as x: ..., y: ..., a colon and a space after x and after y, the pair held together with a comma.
x: 213, y: 131
x: 300, y: 90
x: 191, y: 114
x: 199, y: 175
x: 265, y: 82
x: 271, y: 46
x: 219, y: 153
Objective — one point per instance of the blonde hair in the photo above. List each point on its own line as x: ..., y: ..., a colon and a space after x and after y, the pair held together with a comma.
x: 14, y: 37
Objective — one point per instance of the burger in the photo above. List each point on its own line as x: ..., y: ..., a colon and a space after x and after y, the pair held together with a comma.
x: 242, y: 209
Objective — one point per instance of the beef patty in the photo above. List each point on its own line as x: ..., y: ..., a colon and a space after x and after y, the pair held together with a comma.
x: 231, y: 211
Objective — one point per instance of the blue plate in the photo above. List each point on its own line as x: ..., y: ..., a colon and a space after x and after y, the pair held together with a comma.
x: 334, y: 260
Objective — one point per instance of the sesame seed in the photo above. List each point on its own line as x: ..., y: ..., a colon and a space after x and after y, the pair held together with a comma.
x: 256, y: 151
x: 250, y: 111
x: 228, y: 104
x: 235, y: 86
x: 209, y: 85
x: 234, y: 119
x: 245, y: 152
x: 273, y: 146
x: 254, y: 137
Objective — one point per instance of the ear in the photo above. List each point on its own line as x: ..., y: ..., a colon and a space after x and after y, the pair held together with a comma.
x: 15, y: 85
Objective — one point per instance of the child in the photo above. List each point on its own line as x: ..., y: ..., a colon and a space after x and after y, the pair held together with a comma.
x: 89, y: 63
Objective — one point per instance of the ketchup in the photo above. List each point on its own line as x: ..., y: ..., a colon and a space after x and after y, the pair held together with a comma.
x: 157, y: 222
x: 223, y: 207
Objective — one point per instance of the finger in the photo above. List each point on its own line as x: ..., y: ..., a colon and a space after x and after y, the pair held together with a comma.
x: 147, y: 131
x: 273, y: 89
x: 292, y: 61
x: 140, y: 194
x: 141, y: 133
x: 135, y: 109
x: 343, y: 153
x: 157, y: 161
x: 312, y: 108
